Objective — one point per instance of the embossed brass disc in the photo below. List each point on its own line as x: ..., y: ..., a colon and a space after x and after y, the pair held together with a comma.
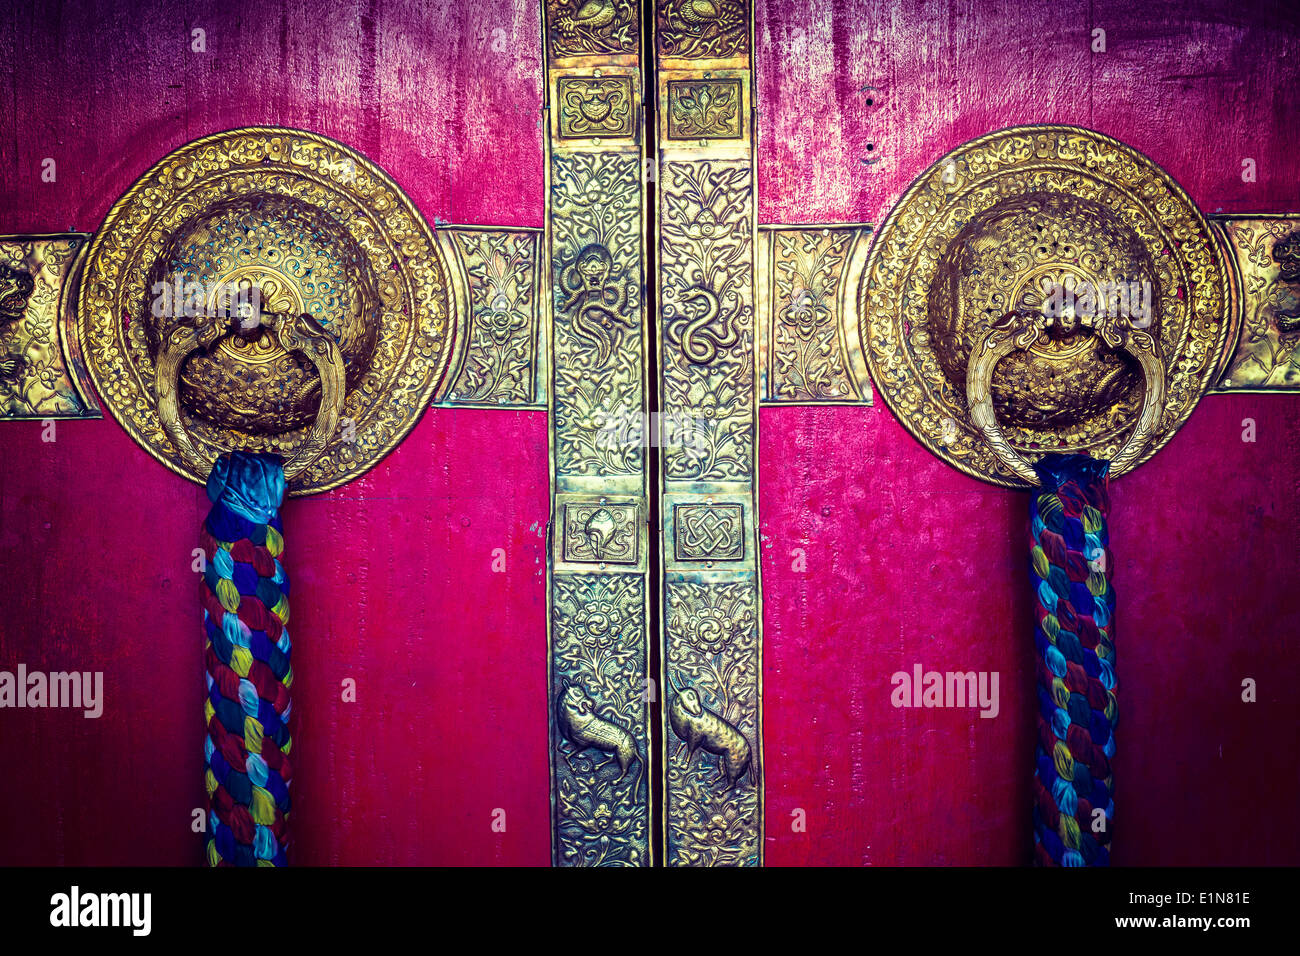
x: 311, y: 227
x: 989, y: 231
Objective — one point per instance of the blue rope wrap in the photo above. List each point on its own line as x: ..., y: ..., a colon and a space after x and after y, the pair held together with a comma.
x: 1070, y: 571
x: 245, y: 597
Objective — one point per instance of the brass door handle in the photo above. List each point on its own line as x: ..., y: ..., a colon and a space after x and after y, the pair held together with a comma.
x: 1017, y: 331
x: 295, y: 333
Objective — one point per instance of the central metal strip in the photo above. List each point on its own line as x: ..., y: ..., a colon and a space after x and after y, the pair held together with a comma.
x: 708, y: 381
x: 600, y: 693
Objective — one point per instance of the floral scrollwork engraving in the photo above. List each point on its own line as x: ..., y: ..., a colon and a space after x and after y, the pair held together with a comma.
x: 700, y: 109
x: 706, y: 252
x: 600, y: 718
x: 712, y: 812
x: 500, y: 365
x: 37, y: 378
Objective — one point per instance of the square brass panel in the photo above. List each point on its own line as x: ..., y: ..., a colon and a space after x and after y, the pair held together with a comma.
x: 601, y: 531
x: 595, y: 107
x: 709, y: 532
x: 706, y: 109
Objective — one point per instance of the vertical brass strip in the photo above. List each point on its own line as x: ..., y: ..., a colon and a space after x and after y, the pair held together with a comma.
x: 712, y: 620
x: 600, y: 739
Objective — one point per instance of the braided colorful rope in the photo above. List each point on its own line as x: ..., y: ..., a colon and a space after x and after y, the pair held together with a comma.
x: 245, y: 596
x: 1075, y: 606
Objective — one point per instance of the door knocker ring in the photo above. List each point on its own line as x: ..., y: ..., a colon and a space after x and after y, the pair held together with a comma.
x: 1017, y: 331
x: 295, y: 333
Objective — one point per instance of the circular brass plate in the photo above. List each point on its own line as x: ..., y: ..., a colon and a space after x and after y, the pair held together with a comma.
x: 985, y: 223
x: 317, y: 227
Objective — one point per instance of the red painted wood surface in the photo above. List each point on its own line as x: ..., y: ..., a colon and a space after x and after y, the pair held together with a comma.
x: 910, y: 562
x: 392, y: 575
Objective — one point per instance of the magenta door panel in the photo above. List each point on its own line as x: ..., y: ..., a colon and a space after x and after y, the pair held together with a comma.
x: 393, y: 579
x: 910, y: 562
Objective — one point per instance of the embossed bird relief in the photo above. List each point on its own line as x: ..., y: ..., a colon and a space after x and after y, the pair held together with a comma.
x: 591, y: 15
x: 699, y: 728
x: 584, y: 729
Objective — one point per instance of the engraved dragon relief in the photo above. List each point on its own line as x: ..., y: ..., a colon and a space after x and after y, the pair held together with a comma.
x: 595, y: 301
x: 599, y: 668
x: 596, y: 222
x: 713, y: 804
x: 706, y: 246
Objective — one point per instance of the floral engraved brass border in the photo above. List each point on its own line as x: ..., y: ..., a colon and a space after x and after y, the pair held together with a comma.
x: 1265, y: 251
x: 499, y: 271
x: 708, y: 386
x: 808, y: 314
x: 598, y: 571
x: 42, y: 374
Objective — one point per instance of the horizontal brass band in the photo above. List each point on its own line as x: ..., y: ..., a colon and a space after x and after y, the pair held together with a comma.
x: 1265, y: 253
x: 42, y: 374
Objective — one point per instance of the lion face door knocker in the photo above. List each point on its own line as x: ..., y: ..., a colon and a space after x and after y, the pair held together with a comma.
x: 267, y: 290
x: 1044, y: 289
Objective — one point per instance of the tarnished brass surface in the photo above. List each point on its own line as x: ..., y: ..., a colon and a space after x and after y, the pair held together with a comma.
x: 708, y: 388
x: 598, y: 572
x: 808, y: 314
x: 41, y: 372
x: 1266, y: 255
x: 973, y: 240
x: 315, y: 228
